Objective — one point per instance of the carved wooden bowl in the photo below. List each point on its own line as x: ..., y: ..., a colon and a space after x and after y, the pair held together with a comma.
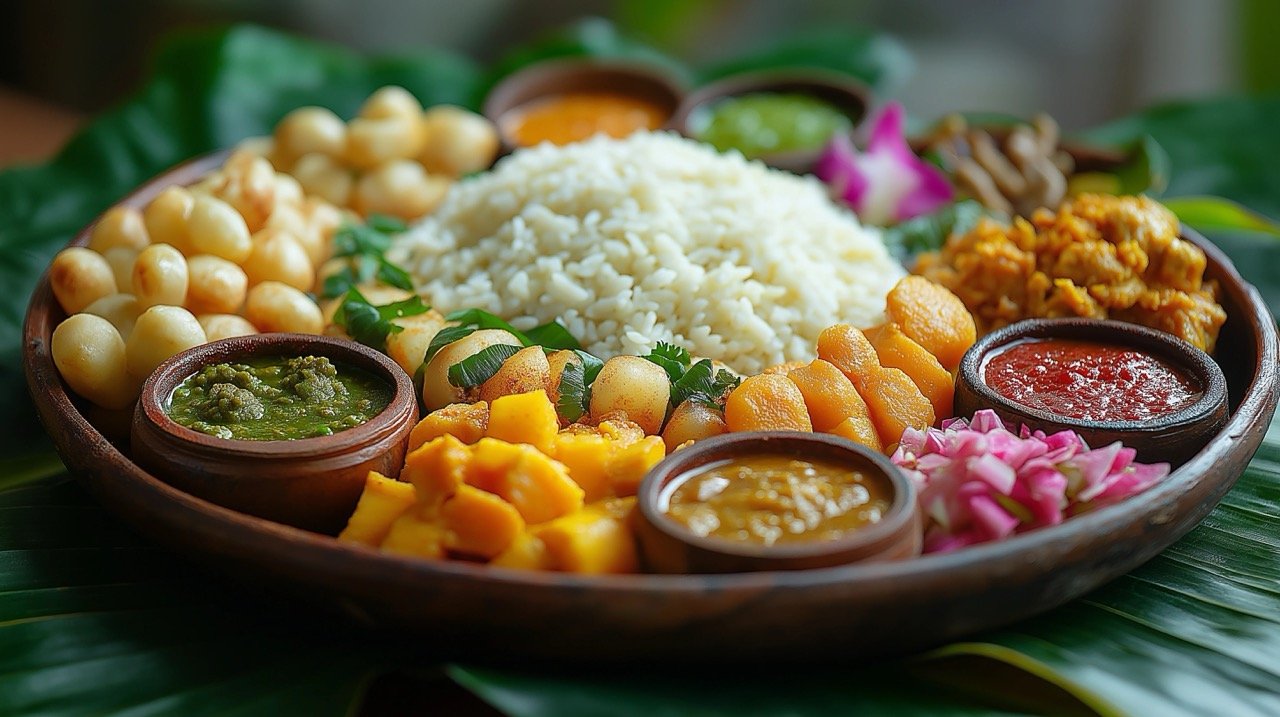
x: 871, y: 610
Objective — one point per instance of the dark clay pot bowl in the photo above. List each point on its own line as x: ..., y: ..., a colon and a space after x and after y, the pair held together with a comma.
x: 669, y: 547
x: 310, y: 483
x: 1173, y: 437
x: 844, y: 93
x: 556, y: 77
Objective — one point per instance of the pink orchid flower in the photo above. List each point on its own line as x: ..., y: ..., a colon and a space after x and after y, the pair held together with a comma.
x: 979, y: 481
x: 887, y: 183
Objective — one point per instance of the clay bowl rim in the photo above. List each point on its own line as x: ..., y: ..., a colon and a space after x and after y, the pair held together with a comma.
x: 164, y: 510
x: 518, y: 88
x: 798, y: 80
x: 1178, y: 353
x: 676, y: 465
x: 158, y: 387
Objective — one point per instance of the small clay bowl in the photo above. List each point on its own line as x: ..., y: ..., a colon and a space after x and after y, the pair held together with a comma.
x: 310, y: 483
x: 844, y: 93
x: 557, y: 77
x: 1171, y: 438
x: 669, y: 547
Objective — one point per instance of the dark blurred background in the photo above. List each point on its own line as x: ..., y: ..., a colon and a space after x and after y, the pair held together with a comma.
x: 1084, y: 61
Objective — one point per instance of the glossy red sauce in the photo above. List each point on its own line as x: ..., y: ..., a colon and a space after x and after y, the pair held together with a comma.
x: 1089, y: 381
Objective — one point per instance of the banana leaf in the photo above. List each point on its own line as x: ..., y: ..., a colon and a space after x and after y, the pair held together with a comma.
x: 94, y: 620
x: 1225, y: 147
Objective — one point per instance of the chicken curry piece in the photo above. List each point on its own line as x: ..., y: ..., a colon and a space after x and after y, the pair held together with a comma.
x: 1097, y: 256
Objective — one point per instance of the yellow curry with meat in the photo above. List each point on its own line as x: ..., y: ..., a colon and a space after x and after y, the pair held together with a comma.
x: 1097, y: 256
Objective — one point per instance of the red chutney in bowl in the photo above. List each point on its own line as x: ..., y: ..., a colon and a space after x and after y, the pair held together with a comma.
x: 1089, y: 381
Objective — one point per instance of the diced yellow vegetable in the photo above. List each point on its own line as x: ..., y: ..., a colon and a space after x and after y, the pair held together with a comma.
x: 490, y: 458
x: 524, y: 418
x: 621, y: 432
x: 383, y: 500
x: 465, y: 421
x: 479, y: 524
x: 415, y: 536
x: 591, y: 540
x: 630, y: 464
x: 585, y: 455
x: 526, y: 552
x: 437, y: 468
x: 539, y: 487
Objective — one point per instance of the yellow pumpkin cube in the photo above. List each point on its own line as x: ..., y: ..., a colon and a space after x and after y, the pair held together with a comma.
x: 628, y: 466
x: 415, y: 536
x: 465, y: 421
x: 585, y: 456
x: 524, y: 418
x: 383, y: 500
x: 478, y: 523
x: 591, y: 540
x: 526, y: 552
x: 437, y: 468
x: 540, y: 488
x: 621, y: 432
x: 490, y: 459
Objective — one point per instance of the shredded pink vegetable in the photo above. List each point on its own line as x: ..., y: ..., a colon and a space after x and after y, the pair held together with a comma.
x: 978, y: 481
x: 887, y: 183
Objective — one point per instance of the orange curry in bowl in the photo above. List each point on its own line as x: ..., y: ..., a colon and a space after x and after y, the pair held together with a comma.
x: 775, y: 499
x: 575, y: 116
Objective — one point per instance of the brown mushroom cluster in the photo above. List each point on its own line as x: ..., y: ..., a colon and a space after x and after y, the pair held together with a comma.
x: 1016, y: 176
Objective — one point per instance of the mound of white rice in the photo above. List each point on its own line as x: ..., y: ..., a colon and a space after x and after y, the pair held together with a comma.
x: 653, y: 238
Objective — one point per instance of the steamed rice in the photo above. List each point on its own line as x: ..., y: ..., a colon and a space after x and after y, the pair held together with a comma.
x: 653, y: 238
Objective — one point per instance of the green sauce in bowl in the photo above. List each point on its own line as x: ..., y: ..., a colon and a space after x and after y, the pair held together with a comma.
x: 277, y: 398
x: 762, y: 123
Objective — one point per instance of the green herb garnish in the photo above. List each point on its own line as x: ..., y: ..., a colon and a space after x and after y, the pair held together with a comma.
x: 703, y: 383
x: 370, y: 324
x: 575, y: 386
x: 928, y: 232
x: 673, y: 359
x: 700, y: 381
x: 443, y: 338
x: 575, y: 394
x: 364, y: 246
x: 552, y: 335
x: 480, y: 366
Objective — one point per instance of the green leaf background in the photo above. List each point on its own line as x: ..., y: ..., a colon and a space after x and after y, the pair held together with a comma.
x: 96, y: 621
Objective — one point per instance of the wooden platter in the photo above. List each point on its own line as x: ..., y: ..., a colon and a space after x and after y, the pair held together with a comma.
x: 459, y: 609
